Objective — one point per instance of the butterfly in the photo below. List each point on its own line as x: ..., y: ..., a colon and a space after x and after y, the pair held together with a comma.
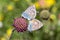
x: 29, y: 13
x: 34, y: 25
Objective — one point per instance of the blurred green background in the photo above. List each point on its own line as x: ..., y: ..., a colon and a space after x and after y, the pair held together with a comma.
x: 11, y: 9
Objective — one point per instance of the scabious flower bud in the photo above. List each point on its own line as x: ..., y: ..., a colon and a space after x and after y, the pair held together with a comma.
x: 44, y: 14
x: 20, y: 24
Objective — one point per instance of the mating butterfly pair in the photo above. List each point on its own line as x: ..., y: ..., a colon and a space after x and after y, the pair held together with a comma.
x: 33, y: 24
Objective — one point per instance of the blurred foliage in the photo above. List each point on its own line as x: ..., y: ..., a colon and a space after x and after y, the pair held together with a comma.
x: 11, y: 9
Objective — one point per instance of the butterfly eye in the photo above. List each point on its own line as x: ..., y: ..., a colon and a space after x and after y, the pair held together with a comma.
x: 34, y: 25
x: 30, y: 13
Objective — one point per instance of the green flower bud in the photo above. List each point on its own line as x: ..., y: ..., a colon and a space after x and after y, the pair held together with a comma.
x: 44, y: 14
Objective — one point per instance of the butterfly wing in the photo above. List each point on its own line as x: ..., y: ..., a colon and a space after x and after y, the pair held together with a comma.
x: 34, y: 25
x: 30, y: 13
